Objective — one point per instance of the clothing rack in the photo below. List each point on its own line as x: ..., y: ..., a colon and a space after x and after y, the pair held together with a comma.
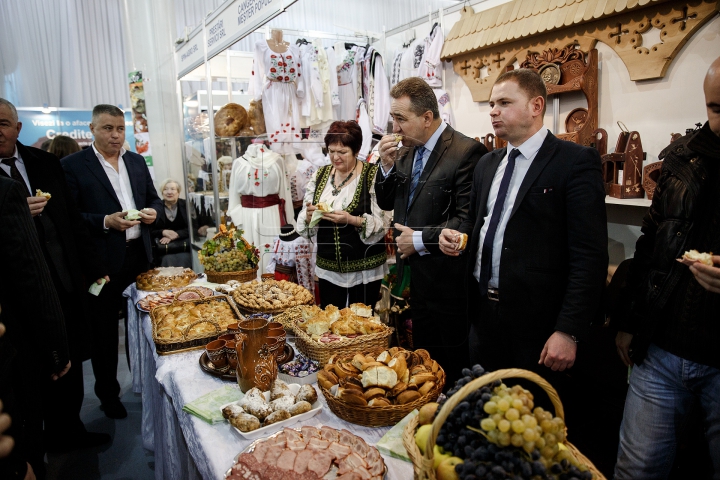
x: 318, y: 34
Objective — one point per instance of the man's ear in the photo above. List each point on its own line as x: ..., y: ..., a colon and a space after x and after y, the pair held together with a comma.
x: 538, y: 105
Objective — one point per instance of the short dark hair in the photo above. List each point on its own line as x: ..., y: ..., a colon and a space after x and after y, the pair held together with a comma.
x: 529, y: 82
x: 422, y: 97
x: 111, y: 110
x: 61, y: 146
x: 347, y: 134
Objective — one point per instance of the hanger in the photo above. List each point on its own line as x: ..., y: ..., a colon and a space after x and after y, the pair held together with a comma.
x: 301, y: 41
x: 349, y: 46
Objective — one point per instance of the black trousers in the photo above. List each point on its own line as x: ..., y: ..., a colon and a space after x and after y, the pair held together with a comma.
x: 104, y: 315
x: 341, y: 297
x: 62, y: 411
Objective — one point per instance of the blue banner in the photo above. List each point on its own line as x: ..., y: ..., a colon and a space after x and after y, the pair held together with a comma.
x: 38, y: 127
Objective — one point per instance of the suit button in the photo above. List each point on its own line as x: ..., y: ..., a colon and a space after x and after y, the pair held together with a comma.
x: 679, y: 234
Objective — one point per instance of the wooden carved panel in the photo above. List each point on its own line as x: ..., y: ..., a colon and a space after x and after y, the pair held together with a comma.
x: 623, y: 32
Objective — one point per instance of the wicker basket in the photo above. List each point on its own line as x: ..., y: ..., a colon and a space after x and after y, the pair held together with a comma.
x: 288, y: 317
x: 189, y: 341
x: 423, y: 464
x: 223, y: 277
x: 379, y: 416
x: 350, y: 346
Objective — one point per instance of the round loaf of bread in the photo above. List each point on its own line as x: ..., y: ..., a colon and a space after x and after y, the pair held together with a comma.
x: 230, y: 119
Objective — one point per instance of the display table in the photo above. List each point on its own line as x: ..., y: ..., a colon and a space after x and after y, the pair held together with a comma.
x: 186, y: 447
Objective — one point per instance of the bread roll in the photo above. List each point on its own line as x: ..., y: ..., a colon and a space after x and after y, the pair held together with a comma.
x: 352, y: 397
x: 399, y: 365
x: 280, y: 389
x: 306, y: 393
x: 358, y: 360
x: 373, y: 392
x: 421, y: 378
x: 379, y: 402
x: 245, y: 422
x: 397, y: 389
x: 408, y: 396
x: 276, y: 416
x: 427, y: 386
x: 379, y: 377
x: 327, y: 379
x: 384, y: 357
x: 299, y: 407
x: 282, y: 403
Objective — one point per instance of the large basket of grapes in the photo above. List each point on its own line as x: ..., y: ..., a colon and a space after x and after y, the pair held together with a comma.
x: 502, y: 434
x: 228, y: 256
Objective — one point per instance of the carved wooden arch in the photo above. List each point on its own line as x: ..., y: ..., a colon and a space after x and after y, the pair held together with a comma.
x: 677, y: 22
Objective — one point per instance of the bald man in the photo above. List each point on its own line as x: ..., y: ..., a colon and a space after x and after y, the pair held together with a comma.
x: 672, y: 330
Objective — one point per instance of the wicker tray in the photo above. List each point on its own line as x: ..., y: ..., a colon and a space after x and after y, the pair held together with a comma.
x: 423, y: 464
x: 350, y: 346
x: 379, y: 416
x: 223, y: 277
x: 274, y: 311
x: 190, y: 342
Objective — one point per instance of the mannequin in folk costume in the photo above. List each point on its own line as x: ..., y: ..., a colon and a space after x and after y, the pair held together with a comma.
x: 277, y: 79
x: 259, y: 199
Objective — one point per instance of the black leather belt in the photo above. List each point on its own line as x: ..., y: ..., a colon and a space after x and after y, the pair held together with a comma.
x: 493, y: 294
x: 133, y: 242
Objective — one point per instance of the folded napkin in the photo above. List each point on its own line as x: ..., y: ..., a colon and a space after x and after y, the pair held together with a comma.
x: 391, y: 443
x: 317, y: 216
x: 208, y: 406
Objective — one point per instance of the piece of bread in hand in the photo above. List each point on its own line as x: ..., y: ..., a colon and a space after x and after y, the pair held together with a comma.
x: 692, y: 256
x: 463, y: 242
x: 324, y: 207
x: 40, y: 193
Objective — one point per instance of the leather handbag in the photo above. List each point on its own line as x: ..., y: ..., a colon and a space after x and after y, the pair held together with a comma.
x: 176, y: 246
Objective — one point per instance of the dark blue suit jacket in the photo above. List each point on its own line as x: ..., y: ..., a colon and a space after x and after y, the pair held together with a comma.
x: 95, y: 198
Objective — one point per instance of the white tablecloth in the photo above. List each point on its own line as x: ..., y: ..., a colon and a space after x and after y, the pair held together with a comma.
x: 186, y: 447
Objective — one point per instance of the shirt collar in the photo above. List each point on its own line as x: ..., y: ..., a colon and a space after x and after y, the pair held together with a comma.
x: 16, y: 154
x: 432, y: 141
x: 531, y: 146
x: 100, y: 155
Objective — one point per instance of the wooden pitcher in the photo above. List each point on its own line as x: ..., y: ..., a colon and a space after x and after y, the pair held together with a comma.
x: 256, y: 365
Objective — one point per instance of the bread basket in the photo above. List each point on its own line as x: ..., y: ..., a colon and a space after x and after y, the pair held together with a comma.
x: 423, y: 463
x: 379, y: 416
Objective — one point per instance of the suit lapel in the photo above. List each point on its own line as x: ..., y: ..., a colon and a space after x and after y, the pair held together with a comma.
x: 93, y: 164
x: 544, y: 155
x: 435, y: 156
x: 487, y: 180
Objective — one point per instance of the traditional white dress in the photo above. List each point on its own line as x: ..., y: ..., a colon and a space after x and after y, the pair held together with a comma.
x: 347, y: 76
x: 277, y: 79
x: 411, y: 59
x: 376, y: 90
x: 376, y: 224
x: 260, y: 172
x: 296, y: 253
x: 430, y: 68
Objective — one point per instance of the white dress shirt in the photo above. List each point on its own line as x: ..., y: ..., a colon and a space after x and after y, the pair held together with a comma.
x: 528, y: 151
x: 20, y: 166
x: 120, y: 182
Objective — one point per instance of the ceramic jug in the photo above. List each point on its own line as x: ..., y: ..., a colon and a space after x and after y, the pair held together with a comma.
x: 256, y: 364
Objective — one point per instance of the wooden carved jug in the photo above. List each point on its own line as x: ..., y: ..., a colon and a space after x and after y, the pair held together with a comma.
x: 256, y: 364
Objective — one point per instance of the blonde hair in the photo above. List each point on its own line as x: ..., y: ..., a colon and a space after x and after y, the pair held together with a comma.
x: 170, y: 180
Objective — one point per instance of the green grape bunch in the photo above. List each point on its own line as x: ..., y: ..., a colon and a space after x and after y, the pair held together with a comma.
x: 228, y: 252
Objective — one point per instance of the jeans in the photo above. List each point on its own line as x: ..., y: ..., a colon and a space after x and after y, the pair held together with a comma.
x: 662, y: 390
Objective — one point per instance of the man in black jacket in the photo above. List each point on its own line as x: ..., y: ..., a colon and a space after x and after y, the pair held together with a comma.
x: 106, y: 181
x: 427, y: 184
x: 34, y: 350
x: 672, y: 332
x: 73, y: 265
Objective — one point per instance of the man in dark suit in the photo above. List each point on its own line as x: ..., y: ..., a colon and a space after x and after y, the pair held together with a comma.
x: 538, y: 238
x: 35, y: 349
x: 427, y: 183
x: 106, y: 181
x: 73, y: 265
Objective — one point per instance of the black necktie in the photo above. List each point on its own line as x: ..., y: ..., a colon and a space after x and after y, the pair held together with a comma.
x: 15, y: 173
x: 487, y: 247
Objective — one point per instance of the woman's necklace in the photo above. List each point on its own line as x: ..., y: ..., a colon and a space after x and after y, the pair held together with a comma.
x: 336, y: 190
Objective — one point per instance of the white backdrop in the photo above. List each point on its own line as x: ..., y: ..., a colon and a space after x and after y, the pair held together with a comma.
x: 64, y: 53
